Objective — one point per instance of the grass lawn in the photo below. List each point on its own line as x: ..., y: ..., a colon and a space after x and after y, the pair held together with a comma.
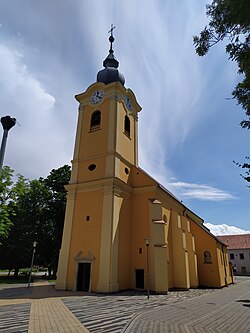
x: 12, y: 280
x: 22, y: 279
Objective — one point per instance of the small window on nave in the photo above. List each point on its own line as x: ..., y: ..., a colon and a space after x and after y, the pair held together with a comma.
x: 207, y: 257
x: 127, y: 126
x: 95, y: 122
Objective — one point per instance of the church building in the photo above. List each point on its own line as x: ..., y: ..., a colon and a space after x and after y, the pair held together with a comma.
x: 123, y: 230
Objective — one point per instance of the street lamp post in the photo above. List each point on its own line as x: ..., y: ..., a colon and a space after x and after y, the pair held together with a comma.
x: 7, y: 123
x: 147, y: 245
x: 32, y: 261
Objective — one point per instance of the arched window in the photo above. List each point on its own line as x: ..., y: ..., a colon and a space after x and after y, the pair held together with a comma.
x: 95, y: 120
x: 127, y: 126
x: 207, y: 257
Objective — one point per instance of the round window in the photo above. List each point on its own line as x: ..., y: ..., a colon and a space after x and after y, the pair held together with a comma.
x: 126, y: 171
x: 92, y: 167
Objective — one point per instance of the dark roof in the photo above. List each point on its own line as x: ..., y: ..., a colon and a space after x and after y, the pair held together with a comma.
x: 188, y: 212
x: 110, y: 73
x: 164, y: 189
x: 236, y: 241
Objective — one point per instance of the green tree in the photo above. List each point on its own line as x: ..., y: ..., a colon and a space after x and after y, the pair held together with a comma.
x: 38, y: 209
x: 5, y: 195
x: 246, y: 167
x: 55, y: 183
x: 10, y: 191
x: 230, y: 21
x: 27, y: 213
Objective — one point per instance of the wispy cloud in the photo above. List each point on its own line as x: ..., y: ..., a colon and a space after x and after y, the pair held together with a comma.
x: 158, y: 59
x: 25, y: 98
x: 224, y: 229
x: 200, y: 191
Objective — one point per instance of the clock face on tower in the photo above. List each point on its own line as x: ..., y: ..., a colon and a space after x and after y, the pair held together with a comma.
x: 97, y: 96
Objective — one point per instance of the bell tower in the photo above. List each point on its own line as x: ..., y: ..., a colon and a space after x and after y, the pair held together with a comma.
x: 105, y: 150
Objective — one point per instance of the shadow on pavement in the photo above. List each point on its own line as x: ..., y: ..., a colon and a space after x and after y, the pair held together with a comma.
x: 45, y: 290
x: 35, y: 292
x: 245, y: 301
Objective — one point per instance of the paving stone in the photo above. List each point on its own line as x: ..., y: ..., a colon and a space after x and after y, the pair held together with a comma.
x: 14, y: 318
x: 51, y: 315
x: 111, y: 313
x: 196, y: 311
x: 224, y: 311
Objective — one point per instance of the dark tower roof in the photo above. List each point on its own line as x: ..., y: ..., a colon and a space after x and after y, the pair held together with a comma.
x: 110, y: 73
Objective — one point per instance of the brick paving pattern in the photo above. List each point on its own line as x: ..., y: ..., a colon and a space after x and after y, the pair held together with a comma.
x: 225, y: 311
x: 41, y: 309
x: 52, y: 316
x: 35, y: 310
x: 14, y: 318
x: 111, y: 313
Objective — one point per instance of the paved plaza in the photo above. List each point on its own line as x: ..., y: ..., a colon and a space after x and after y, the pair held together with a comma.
x: 41, y: 309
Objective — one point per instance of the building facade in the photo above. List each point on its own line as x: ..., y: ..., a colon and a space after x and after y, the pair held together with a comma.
x: 238, y: 252
x: 124, y: 230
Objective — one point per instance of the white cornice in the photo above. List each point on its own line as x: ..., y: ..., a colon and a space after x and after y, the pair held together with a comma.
x: 142, y: 189
x: 114, y: 90
x: 110, y: 153
x: 107, y: 185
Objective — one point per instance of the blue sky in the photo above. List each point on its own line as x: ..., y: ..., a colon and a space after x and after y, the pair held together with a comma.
x: 189, y: 131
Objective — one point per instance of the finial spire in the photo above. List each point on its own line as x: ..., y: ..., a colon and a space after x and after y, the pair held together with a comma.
x: 111, y: 38
x: 110, y: 73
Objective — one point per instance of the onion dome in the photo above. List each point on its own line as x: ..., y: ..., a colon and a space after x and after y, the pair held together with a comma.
x: 110, y: 73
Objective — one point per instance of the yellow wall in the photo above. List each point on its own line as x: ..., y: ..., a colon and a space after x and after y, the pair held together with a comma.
x: 107, y: 145
x: 114, y: 208
x: 124, y: 253
x: 210, y: 274
x: 96, y: 140
x: 170, y: 257
x: 159, y: 225
x: 182, y: 259
x: 180, y: 255
x: 192, y: 259
x: 85, y: 235
x: 224, y: 268
x: 139, y: 232
x: 108, y: 272
x: 84, y: 174
x: 105, y: 239
x: 124, y: 143
x: 123, y: 170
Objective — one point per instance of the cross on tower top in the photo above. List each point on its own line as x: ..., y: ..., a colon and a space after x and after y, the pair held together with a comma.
x: 111, y: 30
x: 111, y: 38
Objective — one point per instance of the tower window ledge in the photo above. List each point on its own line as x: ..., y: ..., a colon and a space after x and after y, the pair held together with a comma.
x: 160, y: 245
x: 94, y: 129
x: 127, y: 134
x: 159, y: 222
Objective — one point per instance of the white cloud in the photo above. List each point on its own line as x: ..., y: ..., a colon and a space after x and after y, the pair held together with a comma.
x: 170, y: 83
x: 224, y: 229
x: 158, y: 60
x: 159, y: 63
x: 30, y: 147
x: 200, y: 192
